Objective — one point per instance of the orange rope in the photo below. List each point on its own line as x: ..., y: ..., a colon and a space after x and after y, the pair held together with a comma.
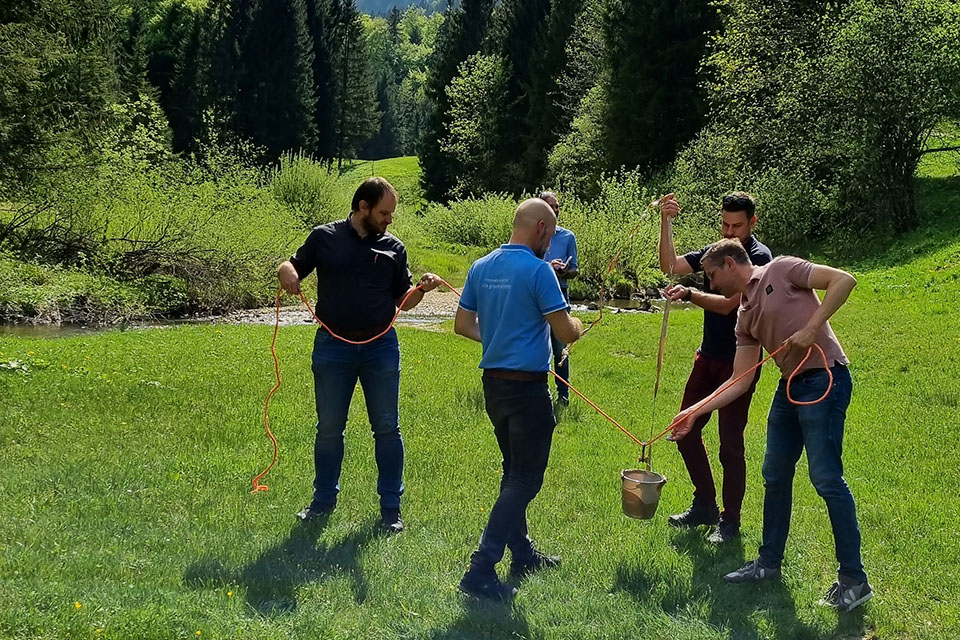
x: 266, y: 408
x: 598, y: 409
x: 751, y: 370
x: 266, y: 422
x: 257, y: 487
x: 382, y: 333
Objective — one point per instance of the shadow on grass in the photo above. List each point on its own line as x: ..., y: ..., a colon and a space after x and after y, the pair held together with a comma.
x: 485, y: 620
x: 733, y: 607
x: 272, y: 580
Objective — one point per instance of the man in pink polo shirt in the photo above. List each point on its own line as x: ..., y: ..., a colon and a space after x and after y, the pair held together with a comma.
x: 779, y: 307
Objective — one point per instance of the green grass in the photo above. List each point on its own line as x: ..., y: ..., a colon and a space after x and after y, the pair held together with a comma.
x: 403, y: 173
x: 127, y: 458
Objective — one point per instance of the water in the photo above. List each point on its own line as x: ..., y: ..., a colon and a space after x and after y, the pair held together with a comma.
x: 66, y: 330
x: 291, y: 317
x: 46, y: 330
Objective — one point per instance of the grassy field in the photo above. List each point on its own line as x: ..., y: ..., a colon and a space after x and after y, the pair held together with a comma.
x: 127, y: 457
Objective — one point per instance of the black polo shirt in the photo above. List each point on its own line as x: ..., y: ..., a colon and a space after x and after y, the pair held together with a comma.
x: 359, y: 280
x: 719, y: 330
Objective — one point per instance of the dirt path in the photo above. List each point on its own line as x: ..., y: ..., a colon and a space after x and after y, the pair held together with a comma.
x: 436, y: 307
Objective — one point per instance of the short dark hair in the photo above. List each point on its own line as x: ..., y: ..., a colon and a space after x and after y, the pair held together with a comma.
x: 372, y: 191
x: 739, y: 201
x: 726, y: 248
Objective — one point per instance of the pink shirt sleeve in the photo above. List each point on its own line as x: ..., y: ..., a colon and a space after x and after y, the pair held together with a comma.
x: 744, y: 339
x: 796, y: 271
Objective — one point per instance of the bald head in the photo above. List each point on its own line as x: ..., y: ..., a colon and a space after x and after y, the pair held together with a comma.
x: 532, y: 211
x: 534, y: 225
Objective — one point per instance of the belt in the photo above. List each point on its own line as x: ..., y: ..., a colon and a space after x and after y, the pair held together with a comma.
x: 356, y: 335
x: 516, y: 376
x: 808, y: 372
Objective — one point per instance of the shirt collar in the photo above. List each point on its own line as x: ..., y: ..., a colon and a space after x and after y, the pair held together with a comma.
x: 755, y: 274
x: 517, y: 247
x: 371, y: 237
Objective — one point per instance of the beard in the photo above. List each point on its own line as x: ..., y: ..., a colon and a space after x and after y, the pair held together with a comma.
x: 370, y: 227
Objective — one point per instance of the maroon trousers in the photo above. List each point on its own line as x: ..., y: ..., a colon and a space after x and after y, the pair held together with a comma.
x: 706, y: 377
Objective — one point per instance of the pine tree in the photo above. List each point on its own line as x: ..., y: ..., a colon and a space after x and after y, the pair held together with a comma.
x: 543, y: 120
x: 461, y: 35
x: 173, y: 49
x: 57, y: 79
x: 356, y: 116
x: 520, y: 34
x: 654, y: 102
x: 187, y: 97
x: 276, y: 100
x: 323, y: 18
x: 227, y: 26
x: 133, y: 58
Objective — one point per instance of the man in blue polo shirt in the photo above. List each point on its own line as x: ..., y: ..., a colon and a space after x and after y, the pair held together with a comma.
x: 511, y: 302
x: 562, y: 256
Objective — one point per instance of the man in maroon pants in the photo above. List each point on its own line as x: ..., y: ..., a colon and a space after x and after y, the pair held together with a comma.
x: 712, y: 366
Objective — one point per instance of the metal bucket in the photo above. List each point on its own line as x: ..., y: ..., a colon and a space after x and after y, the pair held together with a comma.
x: 640, y: 492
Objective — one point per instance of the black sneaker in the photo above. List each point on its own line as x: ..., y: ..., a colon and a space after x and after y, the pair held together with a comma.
x: 725, y: 532
x: 563, y: 401
x: 390, y: 521
x: 753, y: 571
x: 485, y: 585
x: 316, y: 510
x: 695, y: 516
x: 844, y: 595
x: 534, y: 563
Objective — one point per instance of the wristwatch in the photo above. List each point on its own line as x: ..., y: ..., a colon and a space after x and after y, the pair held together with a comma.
x: 689, y: 295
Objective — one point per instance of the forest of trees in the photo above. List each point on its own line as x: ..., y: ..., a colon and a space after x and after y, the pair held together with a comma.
x: 825, y: 107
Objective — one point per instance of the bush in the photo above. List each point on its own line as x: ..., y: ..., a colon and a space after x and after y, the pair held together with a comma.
x: 314, y: 191
x: 602, y: 226
x: 822, y: 111
x: 486, y: 222
x: 214, y: 229
x: 42, y: 293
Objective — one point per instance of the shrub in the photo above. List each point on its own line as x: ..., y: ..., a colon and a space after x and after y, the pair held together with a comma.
x: 314, y: 191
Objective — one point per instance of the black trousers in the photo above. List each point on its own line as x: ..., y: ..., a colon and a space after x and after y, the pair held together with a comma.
x: 523, y: 423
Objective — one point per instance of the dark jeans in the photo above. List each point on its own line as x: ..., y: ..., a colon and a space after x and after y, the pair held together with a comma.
x: 707, y: 375
x: 336, y: 368
x: 819, y: 429
x: 523, y: 423
x: 563, y: 391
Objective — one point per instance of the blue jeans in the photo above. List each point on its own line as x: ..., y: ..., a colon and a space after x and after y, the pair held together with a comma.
x: 819, y: 429
x: 336, y: 368
x: 563, y: 391
x: 523, y: 423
